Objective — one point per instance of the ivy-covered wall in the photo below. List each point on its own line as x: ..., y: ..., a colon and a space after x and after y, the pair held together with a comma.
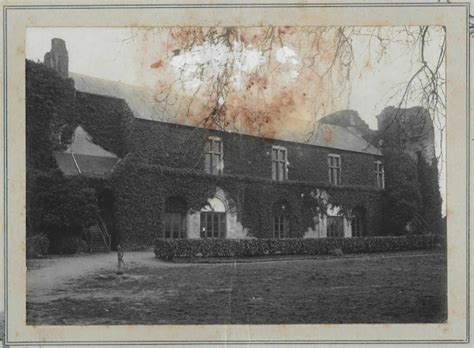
x: 106, y: 119
x: 180, y: 146
x: 54, y: 108
x: 49, y: 115
x: 141, y: 191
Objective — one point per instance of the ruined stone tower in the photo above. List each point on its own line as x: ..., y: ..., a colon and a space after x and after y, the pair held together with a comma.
x: 58, y: 58
x: 410, y: 129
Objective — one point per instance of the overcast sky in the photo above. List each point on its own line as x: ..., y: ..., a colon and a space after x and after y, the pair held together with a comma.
x: 117, y: 54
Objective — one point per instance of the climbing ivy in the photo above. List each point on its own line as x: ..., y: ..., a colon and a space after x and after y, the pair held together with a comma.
x: 142, y: 189
x: 430, y: 193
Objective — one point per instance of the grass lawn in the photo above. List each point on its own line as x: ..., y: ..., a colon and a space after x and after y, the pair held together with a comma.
x: 389, y: 288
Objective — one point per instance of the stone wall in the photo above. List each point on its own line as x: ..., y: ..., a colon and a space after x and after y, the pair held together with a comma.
x: 177, y: 146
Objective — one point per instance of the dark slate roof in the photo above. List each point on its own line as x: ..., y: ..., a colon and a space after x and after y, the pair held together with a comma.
x: 342, y: 138
x: 141, y: 100
x: 144, y: 105
x: 86, y: 164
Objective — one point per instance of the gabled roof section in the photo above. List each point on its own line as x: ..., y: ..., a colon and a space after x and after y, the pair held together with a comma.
x: 75, y: 164
x: 81, y: 143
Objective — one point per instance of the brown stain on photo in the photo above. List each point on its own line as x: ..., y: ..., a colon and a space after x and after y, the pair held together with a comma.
x: 328, y: 136
x: 157, y: 64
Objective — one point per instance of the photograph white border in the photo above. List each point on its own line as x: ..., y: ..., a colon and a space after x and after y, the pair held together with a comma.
x: 17, y: 16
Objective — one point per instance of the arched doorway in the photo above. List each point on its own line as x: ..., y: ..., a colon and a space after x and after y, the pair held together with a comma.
x: 358, y: 222
x: 281, y: 212
x: 174, y: 218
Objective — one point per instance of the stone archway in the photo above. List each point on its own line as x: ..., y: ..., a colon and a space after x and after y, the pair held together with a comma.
x: 219, y: 212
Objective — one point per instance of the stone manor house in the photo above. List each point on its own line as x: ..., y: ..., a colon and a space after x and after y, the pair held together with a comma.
x: 172, y: 180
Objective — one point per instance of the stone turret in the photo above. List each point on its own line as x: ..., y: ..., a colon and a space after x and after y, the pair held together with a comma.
x: 58, y: 58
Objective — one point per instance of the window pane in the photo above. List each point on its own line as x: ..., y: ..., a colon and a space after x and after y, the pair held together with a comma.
x: 222, y: 227
x: 274, y: 154
x: 216, y: 146
x: 209, y: 225
x: 203, y: 225
x: 214, y: 162
x: 207, y: 164
x: 281, y: 168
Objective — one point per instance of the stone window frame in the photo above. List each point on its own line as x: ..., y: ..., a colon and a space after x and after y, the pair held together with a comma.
x: 214, y: 158
x: 380, y: 174
x: 335, y: 169
x: 277, y: 173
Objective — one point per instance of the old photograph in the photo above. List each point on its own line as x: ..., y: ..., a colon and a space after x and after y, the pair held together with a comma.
x: 236, y: 175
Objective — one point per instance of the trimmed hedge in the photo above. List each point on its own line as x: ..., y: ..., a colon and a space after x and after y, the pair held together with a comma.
x: 192, y: 248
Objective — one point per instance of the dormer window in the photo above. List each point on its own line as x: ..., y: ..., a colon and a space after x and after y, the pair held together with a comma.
x: 214, y: 161
x: 279, y: 163
x: 380, y: 174
x: 334, y: 164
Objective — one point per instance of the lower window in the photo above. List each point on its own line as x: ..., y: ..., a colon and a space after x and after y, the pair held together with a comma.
x: 335, y: 226
x: 174, y: 225
x: 212, y: 225
x: 357, y: 226
x: 280, y: 226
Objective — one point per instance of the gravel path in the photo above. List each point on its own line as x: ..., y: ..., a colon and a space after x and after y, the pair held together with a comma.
x: 45, y: 275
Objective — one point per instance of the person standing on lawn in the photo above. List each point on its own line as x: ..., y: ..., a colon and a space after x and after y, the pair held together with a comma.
x: 120, y: 259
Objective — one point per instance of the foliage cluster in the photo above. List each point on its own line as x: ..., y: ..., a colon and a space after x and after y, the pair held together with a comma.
x: 192, y: 248
x: 430, y: 194
x: 37, y: 245
x: 58, y: 206
x: 49, y: 115
x: 402, y: 192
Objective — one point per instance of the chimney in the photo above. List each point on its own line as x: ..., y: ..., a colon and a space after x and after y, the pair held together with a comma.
x: 57, y: 58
